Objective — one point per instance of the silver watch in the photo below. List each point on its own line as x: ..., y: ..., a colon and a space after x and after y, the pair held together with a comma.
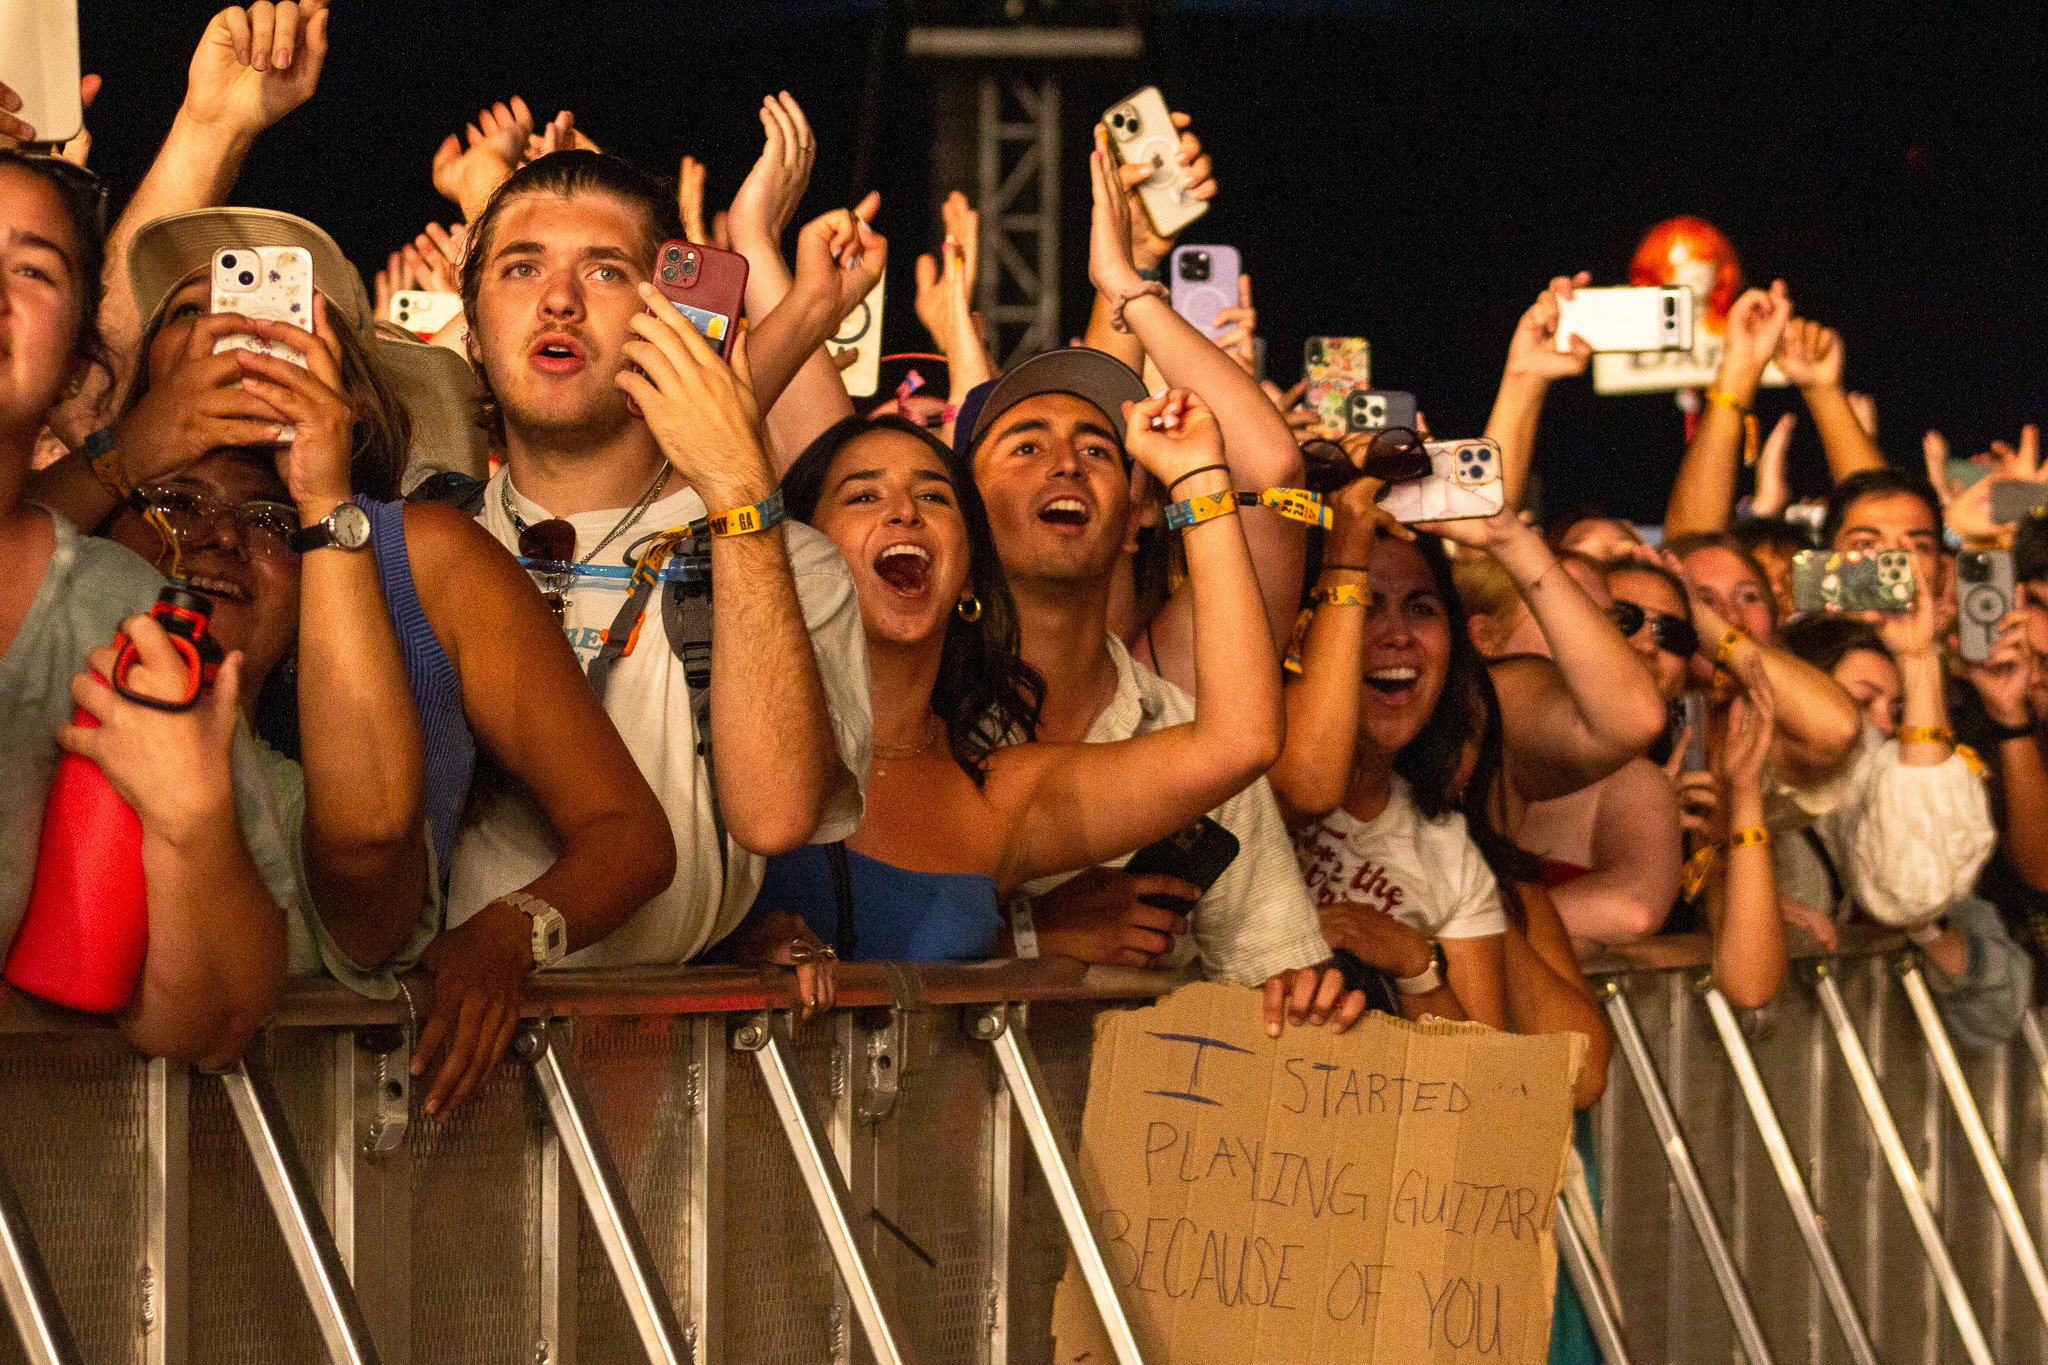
x: 1430, y: 978
x: 347, y: 527
x: 550, y: 930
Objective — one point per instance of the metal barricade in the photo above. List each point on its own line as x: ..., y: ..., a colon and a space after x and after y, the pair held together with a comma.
x: 662, y: 1171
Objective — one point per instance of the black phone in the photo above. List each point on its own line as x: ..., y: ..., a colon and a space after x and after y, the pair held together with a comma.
x: 1197, y: 855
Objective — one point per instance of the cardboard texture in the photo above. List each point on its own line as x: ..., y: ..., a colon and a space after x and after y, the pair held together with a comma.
x: 1381, y: 1196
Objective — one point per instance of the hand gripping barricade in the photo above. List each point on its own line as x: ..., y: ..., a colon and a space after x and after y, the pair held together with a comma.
x: 664, y: 1170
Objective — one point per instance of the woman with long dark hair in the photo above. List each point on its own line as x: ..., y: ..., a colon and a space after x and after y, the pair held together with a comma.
x: 957, y: 814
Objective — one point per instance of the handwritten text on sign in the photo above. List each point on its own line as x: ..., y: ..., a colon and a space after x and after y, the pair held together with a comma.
x: 1385, y: 1195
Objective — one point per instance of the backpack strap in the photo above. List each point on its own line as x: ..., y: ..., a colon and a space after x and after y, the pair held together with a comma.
x: 844, y: 938
x: 686, y: 619
x: 452, y: 488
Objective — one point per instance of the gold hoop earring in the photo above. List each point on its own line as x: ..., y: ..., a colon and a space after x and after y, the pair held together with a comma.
x: 968, y: 609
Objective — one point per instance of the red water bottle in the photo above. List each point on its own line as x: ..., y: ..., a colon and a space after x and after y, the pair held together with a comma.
x: 86, y: 930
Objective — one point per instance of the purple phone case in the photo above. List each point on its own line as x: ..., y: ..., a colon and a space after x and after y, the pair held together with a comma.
x: 1200, y: 300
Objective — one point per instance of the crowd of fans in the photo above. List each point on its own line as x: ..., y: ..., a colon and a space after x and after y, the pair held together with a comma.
x: 563, y: 704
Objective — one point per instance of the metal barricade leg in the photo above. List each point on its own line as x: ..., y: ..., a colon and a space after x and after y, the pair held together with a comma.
x: 343, y: 1329
x: 1886, y: 1131
x: 1601, y: 1311
x: 1678, y: 1155
x: 2037, y: 1046
x: 618, y: 1227
x: 1002, y: 1027
x: 1972, y: 1121
x: 39, y: 1323
x: 767, y: 1037
x: 1841, y: 1304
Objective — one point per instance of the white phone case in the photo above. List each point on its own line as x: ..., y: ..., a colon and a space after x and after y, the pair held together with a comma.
x: 1464, y: 483
x: 274, y: 283
x: 424, y: 312
x: 1630, y: 318
x: 1141, y: 132
x: 39, y: 62
x: 862, y: 334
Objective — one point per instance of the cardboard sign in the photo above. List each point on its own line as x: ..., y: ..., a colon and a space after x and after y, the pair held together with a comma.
x: 1663, y: 371
x: 1381, y: 1196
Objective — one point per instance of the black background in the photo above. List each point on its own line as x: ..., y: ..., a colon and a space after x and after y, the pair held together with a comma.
x: 1413, y: 172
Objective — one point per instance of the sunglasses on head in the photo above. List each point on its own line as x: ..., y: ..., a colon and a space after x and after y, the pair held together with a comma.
x: 1674, y: 634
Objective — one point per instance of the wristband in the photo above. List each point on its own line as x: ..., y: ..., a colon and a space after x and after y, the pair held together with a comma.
x: 106, y: 464
x: 1196, y: 510
x: 1152, y: 273
x: 1756, y: 836
x: 1295, y: 504
x: 1921, y: 935
x: 2001, y: 734
x: 1342, y: 595
x: 1723, y: 399
x: 1430, y: 978
x: 1198, y: 469
x: 744, y: 521
x: 1730, y: 638
x: 1117, y: 305
x: 1926, y: 734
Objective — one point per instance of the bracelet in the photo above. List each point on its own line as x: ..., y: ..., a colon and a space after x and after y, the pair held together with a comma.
x: 1196, y: 510
x: 1756, y: 836
x: 1117, y: 305
x: 1199, y: 469
x: 1926, y: 734
x: 1152, y: 273
x: 1721, y: 398
x: 744, y: 521
x: 105, y: 464
x: 1730, y: 638
x: 802, y: 952
x: 2003, y: 734
x: 1342, y: 595
x: 1526, y: 588
x: 1295, y: 504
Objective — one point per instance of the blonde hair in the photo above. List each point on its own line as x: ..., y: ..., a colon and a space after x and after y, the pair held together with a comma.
x: 1487, y: 589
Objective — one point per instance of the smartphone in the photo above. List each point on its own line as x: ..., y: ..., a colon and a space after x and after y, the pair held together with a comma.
x: 861, y: 333
x: 1378, y: 409
x: 2016, y: 499
x: 1463, y: 483
x: 274, y: 283
x: 1689, y: 718
x: 1853, y: 580
x: 1204, y: 284
x: 424, y: 312
x: 1197, y: 855
x: 1630, y: 318
x: 1335, y: 367
x: 1984, y: 592
x: 1141, y: 133
x: 39, y: 62
x: 707, y: 286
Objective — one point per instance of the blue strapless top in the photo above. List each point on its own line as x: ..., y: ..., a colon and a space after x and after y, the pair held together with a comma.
x: 898, y: 915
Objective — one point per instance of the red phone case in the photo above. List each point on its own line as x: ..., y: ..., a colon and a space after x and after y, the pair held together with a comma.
x: 706, y: 283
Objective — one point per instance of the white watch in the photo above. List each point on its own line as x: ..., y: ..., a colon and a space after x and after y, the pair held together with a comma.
x: 1430, y: 978
x: 550, y: 930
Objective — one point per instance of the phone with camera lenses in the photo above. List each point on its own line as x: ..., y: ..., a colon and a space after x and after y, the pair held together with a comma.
x: 2016, y: 499
x: 1828, y: 581
x: 1367, y: 410
x: 861, y: 333
x: 1202, y: 283
x: 424, y: 312
x: 1334, y: 368
x: 1689, y: 722
x: 1464, y: 483
x: 271, y: 283
x: 1630, y: 318
x: 707, y: 286
x: 1141, y: 133
x: 1984, y: 597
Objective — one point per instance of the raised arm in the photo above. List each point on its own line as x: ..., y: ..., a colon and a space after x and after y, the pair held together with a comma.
x: 2001, y: 682
x: 1817, y: 722
x: 1149, y: 251
x: 1534, y: 363
x: 1703, y: 498
x: 777, y: 764
x: 1573, y: 721
x: 1742, y: 906
x: 1074, y: 806
x: 838, y: 260
x: 1811, y: 357
x: 945, y: 304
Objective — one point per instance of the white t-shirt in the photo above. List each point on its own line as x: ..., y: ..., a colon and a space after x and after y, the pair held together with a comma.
x: 1428, y: 874
x: 506, y: 842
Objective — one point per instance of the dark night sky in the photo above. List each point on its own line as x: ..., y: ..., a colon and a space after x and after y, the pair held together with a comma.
x: 1410, y: 171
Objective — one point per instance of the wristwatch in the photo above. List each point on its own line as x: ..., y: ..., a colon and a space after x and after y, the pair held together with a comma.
x: 1430, y: 978
x: 347, y: 527
x: 550, y: 930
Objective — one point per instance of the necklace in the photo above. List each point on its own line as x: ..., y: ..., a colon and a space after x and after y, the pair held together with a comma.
x: 886, y: 751
x: 553, y: 541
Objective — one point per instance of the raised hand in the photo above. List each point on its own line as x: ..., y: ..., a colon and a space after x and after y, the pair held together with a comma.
x: 255, y: 64
x: 2007, y: 678
x: 1239, y: 339
x: 1111, y: 268
x: 1357, y: 522
x: 315, y: 464
x: 1810, y: 354
x: 1147, y: 247
x: 1756, y: 324
x: 560, y: 135
x: 1532, y: 350
x: 1773, y: 490
x: 434, y: 260
x: 1934, y: 451
x: 690, y: 199
x: 1751, y: 717
x: 1172, y: 434
x: 496, y: 145
x: 775, y: 186
x: 839, y: 257
x: 195, y: 404
x: 945, y: 293
x: 700, y: 410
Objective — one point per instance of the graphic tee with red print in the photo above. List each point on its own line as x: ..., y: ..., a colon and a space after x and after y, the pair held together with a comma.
x: 1428, y: 874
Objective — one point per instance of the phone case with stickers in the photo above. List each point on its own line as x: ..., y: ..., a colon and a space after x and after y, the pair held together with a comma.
x: 1853, y: 580
x: 1463, y: 484
x: 1378, y: 409
x: 273, y: 283
x: 1141, y: 133
x: 861, y: 333
x: 1334, y: 368
x: 707, y: 286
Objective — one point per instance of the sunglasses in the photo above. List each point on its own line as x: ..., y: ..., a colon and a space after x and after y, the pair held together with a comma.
x: 551, y: 546
x: 1393, y: 455
x: 264, y: 525
x: 1674, y: 634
